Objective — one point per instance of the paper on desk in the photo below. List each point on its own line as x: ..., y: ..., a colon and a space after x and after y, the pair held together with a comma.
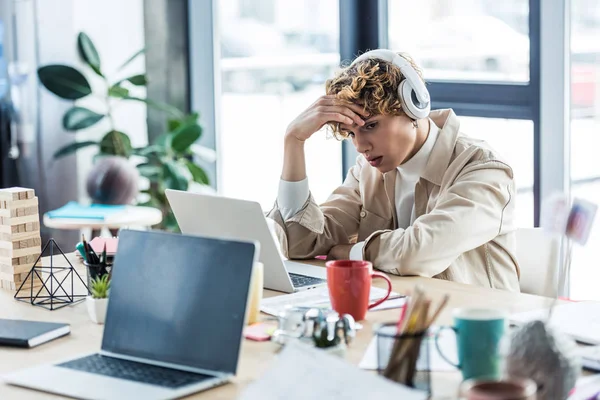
x: 302, y: 372
x: 580, y: 320
x: 390, y: 303
x: 318, y: 298
x: 587, y: 387
x: 447, y: 342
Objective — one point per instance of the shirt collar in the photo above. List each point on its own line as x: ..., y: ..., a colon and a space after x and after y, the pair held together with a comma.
x: 416, y: 165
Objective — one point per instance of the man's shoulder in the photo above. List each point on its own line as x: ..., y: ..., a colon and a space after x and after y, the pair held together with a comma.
x: 476, y: 150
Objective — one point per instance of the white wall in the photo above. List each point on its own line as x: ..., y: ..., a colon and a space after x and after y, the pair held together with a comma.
x: 117, y: 29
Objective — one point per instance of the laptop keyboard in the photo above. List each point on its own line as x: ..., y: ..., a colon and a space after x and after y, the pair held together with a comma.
x: 134, y: 371
x: 303, y: 280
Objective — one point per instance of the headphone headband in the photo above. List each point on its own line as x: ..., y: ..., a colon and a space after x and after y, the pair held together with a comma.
x: 406, y: 68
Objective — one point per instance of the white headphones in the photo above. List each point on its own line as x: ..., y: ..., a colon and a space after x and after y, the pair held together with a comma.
x: 412, y: 92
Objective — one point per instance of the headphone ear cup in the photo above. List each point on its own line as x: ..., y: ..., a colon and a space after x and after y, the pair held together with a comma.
x: 410, y: 103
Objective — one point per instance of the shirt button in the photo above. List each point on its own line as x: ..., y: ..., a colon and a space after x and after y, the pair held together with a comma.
x: 363, y: 214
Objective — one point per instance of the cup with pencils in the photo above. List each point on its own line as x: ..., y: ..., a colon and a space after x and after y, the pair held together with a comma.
x: 97, y: 266
x: 403, y: 348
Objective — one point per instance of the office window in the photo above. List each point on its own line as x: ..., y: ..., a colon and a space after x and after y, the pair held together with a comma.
x: 585, y: 137
x: 275, y: 58
x: 474, y: 40
x: 513, y: 139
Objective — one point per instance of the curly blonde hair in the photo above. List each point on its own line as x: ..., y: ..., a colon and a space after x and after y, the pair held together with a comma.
x: 372, y: 83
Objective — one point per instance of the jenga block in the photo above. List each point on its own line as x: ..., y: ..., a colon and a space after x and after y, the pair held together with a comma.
x: 7, y: 194
x: 22, y: 260
x: 31, y: 258
x: 23, y: 244
x: 30, y: 194
x: 20, y: 212
x: 19, y: 269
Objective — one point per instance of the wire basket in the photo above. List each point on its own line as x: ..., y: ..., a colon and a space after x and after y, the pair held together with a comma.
x: 404, y: 358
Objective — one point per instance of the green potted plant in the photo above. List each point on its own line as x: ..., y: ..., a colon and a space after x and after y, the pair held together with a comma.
x: 97, y: 300
x: 172, y: 161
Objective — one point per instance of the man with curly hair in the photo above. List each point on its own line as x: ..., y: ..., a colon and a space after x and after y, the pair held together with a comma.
x: 422, y: 199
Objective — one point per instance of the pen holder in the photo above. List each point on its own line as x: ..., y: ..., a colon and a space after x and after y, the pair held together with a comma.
x: 404, y: 358
x: 95, y: 271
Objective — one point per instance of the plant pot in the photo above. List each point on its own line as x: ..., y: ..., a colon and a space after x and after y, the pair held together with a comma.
x: 112, y: 180
x: 97, y: 309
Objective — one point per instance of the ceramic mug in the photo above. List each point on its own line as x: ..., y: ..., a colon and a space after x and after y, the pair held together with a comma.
x: 349, y: 283
x: 504, y: 389
x: 479, y: 332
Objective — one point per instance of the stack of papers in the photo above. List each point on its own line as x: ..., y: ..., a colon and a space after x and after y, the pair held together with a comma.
x: 580, y: 320
x: 303, y: 372
x: 317, y: 298
x: 75, y: 210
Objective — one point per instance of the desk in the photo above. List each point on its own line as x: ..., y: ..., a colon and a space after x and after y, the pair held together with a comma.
x: 255, y: 357
x: 133, y: 216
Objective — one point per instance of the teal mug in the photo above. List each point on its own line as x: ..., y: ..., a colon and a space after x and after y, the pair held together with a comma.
x: 479, y: 333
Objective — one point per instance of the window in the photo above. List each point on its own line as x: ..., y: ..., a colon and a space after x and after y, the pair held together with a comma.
x: 585, y: 137
x: 513, y: 139
x: 275, y: 58
x: 479, y: 40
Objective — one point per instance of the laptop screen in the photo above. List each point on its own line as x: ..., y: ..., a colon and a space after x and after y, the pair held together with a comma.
x: 178, y: 299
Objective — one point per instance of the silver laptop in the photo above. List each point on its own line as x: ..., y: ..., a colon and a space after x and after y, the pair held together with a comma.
x: 171, y: 328
x: 215, y: 216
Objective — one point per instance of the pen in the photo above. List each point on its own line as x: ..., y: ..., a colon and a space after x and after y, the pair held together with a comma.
x: 81, y: 249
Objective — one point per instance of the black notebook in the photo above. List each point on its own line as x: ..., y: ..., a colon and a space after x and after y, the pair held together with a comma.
x: 21, y: 333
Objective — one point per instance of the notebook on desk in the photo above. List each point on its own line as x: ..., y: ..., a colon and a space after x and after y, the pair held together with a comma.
x: 98, y: 212
x: 580, y: 320
x: 22, y: 333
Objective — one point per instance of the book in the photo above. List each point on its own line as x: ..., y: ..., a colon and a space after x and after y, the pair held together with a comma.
x: 23, y: 333
x: 75, y: 210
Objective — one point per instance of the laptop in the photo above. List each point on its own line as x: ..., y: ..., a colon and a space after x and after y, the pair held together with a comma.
x: 176, y: 312
x: 216, y: 216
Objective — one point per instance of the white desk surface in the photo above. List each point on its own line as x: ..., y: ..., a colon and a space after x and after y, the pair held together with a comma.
x: 255, y: 357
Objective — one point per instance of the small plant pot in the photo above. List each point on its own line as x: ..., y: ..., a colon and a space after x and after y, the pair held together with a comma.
x: 97, y: 309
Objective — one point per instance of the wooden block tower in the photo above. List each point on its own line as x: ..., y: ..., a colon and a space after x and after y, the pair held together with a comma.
x: 20, y: 241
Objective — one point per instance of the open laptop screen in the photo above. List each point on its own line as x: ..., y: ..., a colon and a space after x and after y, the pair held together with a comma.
x: 179, y: 299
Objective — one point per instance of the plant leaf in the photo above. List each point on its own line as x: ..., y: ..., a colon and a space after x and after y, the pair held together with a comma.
x: 116, y: 143
x: 80, y: 118
x: 159, y: 106
x: 175, y: 176
x: 197, y: 173
x: 204, y: 153
x: 118, y: 91
x: 73, y: 147
x: 150, y: 171
x: 138, y: 80
x: 185, y: 136
x: 173, y: 124
x: 64, y: 81
x: 149, y: 150
x: 88, y: 53
x: 133, y: 57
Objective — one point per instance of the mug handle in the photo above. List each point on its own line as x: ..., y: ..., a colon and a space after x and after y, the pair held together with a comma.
x: 437, y: 345
x: 382, y: 276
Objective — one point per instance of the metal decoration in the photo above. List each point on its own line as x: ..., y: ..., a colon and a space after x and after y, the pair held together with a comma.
x: 308, y: 324
x: 546, y: 356
x: 56, y: 287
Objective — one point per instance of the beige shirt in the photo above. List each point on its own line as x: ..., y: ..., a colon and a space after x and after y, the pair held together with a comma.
x: 464, y: 222
x: 292, y: 195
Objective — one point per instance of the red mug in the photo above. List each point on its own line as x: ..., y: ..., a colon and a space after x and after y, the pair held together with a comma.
x: 349, y: 284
